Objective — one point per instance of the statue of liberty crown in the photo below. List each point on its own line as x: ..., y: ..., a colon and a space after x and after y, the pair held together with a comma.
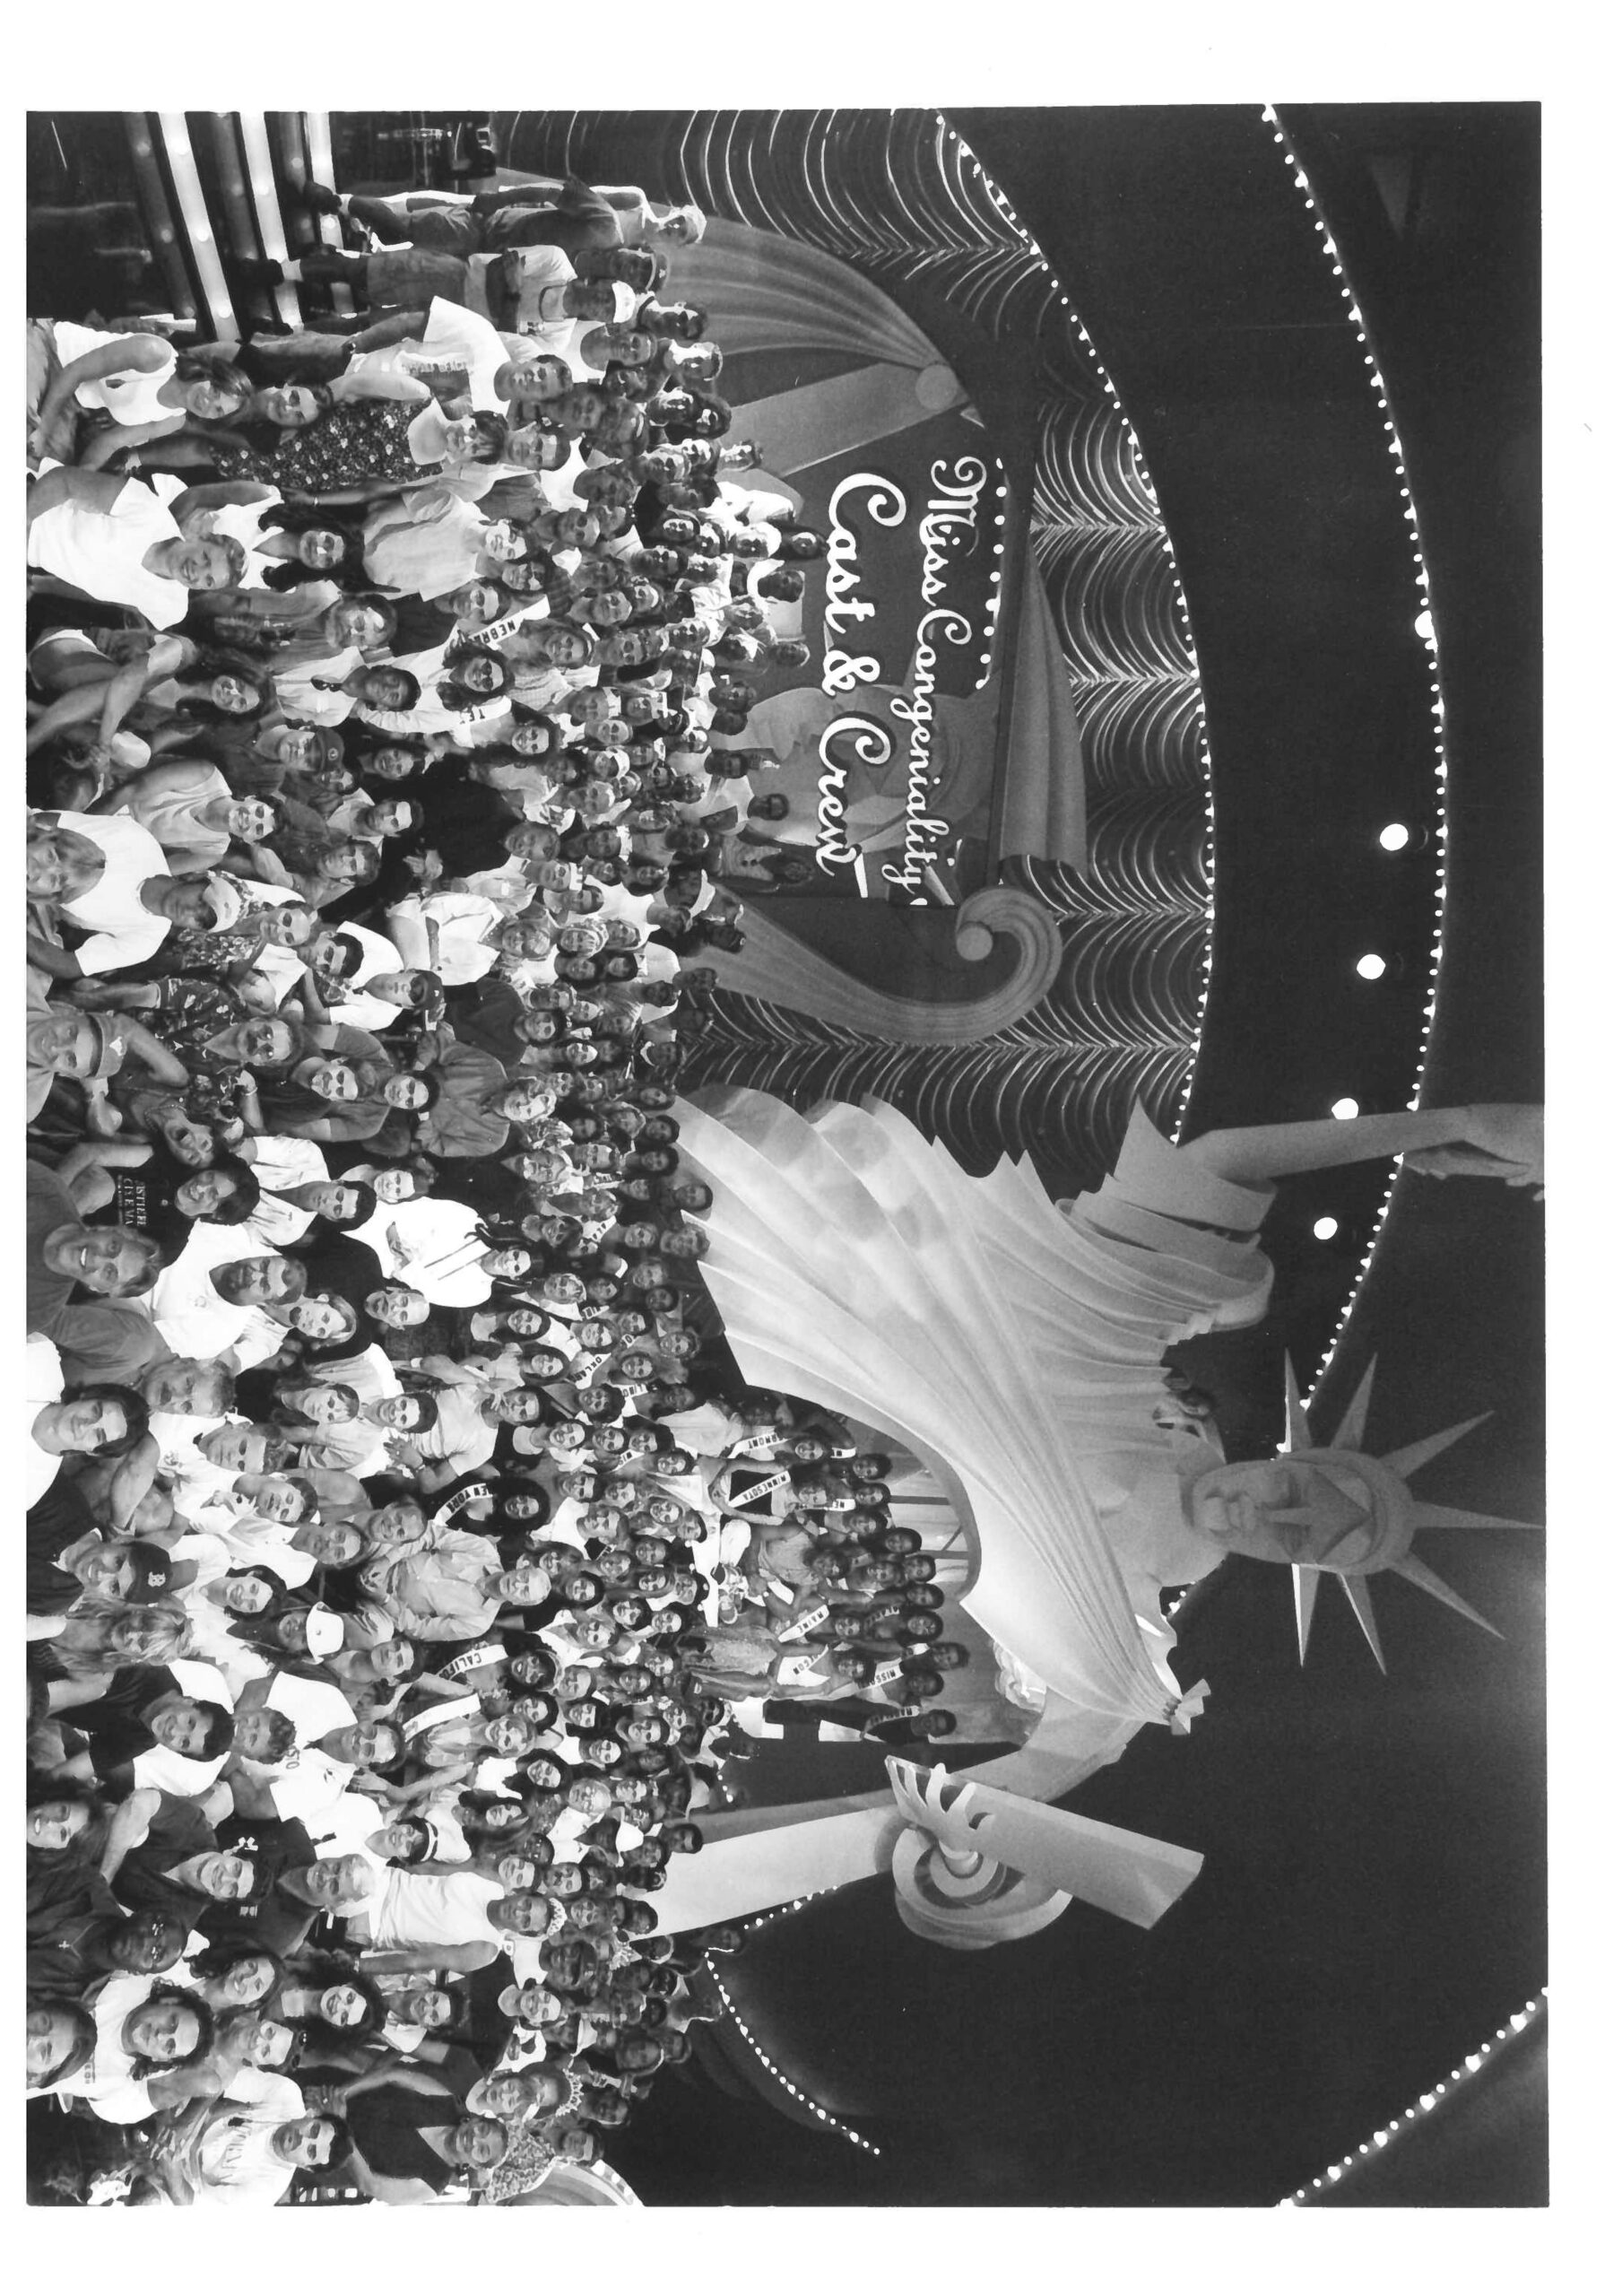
x: 1399, y: 1512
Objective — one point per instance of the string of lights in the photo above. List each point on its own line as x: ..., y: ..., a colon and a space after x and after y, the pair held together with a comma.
x: 996, y: 600
x: 777, y: 2071
x: 776, y: 1913
x: 194, y: 209
x: 1427, y: 2103
x: 1395, y: 835
x: 256, y: 144
x: 1090, y: 348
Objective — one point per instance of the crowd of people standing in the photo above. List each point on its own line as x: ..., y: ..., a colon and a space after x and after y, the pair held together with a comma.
x: 408, y: 1565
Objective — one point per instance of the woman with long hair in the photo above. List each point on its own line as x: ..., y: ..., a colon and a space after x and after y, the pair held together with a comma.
x: 163, y: 687
x: 236, y: 1974
x: 377, y: 758
x: 300, y: 542
x: 324, y: 866
x: 353, y: 1097
x: 99, y: 1638
x: 330, y: 1999
x: 61, y: 2039
x: 359, y: 451
x: 279, y: 1633
x: 102, y: 395
x: 63, y: 1826
x: 473, y: 673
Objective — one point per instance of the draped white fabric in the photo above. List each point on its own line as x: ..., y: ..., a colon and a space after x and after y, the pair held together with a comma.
x: 767, y: 293
x: 1015, y: 1352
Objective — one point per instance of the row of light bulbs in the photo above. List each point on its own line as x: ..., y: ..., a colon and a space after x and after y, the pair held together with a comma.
x: 996, y: 600
x: 777, y: 2071
x: 1395, y: 836
x: 1082, y: 336
x: 260, y: 180
x: 1427, y: 2103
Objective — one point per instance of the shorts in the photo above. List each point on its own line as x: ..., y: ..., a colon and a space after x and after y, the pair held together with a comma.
x: 410, y: 278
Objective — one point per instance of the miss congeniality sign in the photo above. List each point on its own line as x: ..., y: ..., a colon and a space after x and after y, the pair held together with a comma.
x: 885, y: 741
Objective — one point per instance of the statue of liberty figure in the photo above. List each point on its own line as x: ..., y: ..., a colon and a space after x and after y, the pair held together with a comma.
x: 1016, y: 1347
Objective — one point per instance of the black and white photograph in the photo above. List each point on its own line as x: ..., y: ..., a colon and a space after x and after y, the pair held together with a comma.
x: 810, y: 1474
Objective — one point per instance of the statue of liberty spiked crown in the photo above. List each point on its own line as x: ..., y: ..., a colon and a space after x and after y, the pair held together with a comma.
x: 1366, y: 1516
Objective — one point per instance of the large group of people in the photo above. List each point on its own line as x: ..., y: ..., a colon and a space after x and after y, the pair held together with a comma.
x: 408, y: 1565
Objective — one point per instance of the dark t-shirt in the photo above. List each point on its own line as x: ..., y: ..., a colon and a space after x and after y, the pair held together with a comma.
x: 463, y: 821
x: 54, y: 1522
x: 488, y: 2028
x: 112, y: 1722
x: 140, y: 1201
x: 580, y: 218
x: 98, y: 1339
x: 48, y: 1205
x: 385, y: 2130
x: 340, y: 1264
x: 278, y: 1922
x: 486, y: 1019
x: 144, y: 1884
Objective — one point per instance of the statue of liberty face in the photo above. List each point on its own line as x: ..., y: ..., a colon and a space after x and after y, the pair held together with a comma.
x: 1287, y: 1510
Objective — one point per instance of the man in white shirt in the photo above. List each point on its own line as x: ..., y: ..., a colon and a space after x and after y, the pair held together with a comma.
x: 239, y: 2153
x: 432, y: 1244
x: 189, y: 1776
x: 42, y: 1385
x: 454, y: 339
x: 129, y: 909
x: 205, y: 1304
x: 279, y: 1164
x: 310, y: 1780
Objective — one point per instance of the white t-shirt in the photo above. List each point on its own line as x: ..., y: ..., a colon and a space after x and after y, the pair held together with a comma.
x: 261, y: 1336
x: 173, y: 1773
x: 340, y: 1827
x: 188, y: 1311
x: 308, y: 1782
x: 42, y: 1384
x: 102, y: 551
x: 176, y: 1435
x: 463, y: 921
x: 441, y: 1245
x: 172, y: 815
x: 105, y: 2080
x: 354, y: 1008
x: 130, y: 395
x: 456, y: 336
x: 299, y: 698
x: 316, y: 1707
x: 280, y: 1163
x: 234, y: 2153
x: 122, y: 931
x: 249, y: 1542
x: 414, y: 1911
x: 244, y: 522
